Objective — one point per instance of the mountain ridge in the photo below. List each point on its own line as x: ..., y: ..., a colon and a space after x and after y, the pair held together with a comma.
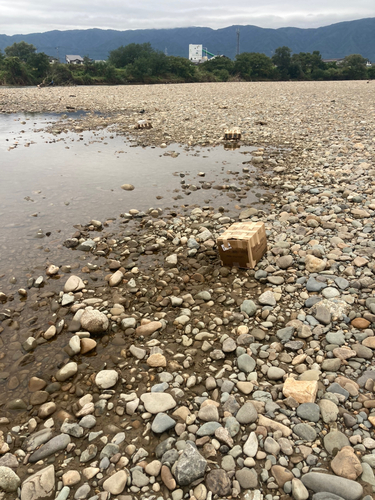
x: 334, y: 41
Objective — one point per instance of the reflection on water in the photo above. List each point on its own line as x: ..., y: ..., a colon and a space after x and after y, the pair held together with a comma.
x: 48, y: 183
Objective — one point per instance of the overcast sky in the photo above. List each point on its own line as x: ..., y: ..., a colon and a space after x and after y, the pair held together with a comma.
x: 30, y: 16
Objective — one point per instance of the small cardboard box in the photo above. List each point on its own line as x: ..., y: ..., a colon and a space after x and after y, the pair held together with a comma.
x: 243, y: 244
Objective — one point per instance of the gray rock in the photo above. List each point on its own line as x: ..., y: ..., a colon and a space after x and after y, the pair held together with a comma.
x: 248, y: 307
x: 208, y: 429
x: 88, y: 422
x: 368, y: 474
x: 313, y: 285
x: 369, y: 374
x: 9, y: 460
x: 326, y: 496
x: 162, y: 423
x: 331, y: 364
x: 329, y: 410
x: 157, y: 402
x: 285, y: 334
x: 246, y: 363
x: 87, y: 245
x: 232, y: 425
x: 37, y: 439
x: 305, y: 432
x: 309, y: 411
x: 267, y: 299
x: 56, y: 444
x: 39, y: 486
x: 89, y: 453
x: 248, y: 478
x: 190, y: 466
x: 139, y: 479
x: 82, y: 492
x: 322, y: 314
x: 336, y: 388
x: 250, y: 447
x: 275, y: 373
x: 247, y: 414
x: 74, y: 430
x: 337, y: 338
x: 9, y: 481
x: 335, y: 440
x: 319, y: 482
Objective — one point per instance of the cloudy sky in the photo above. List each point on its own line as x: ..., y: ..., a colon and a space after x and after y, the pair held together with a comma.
x: 30, y: 16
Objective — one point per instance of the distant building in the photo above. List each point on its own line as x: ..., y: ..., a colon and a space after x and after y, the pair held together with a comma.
x: 74, y: 59
x: 53, y: 60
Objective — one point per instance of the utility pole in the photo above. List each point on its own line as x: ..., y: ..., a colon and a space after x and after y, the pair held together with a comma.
x: 58, y: 58
x: 238, y: 41
x: 166, y: 51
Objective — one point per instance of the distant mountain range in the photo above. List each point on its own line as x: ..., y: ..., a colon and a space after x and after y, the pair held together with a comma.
x: 334, y: 41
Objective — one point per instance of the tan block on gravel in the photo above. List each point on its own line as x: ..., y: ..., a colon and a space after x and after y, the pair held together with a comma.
x: 314, y: 265
x: 301, y: 390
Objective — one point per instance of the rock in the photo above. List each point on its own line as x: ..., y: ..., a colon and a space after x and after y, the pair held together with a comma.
x: 322, y: 314
x: 116, y: 484
x: 71, y: 478
x: 106, y: 379
x: 94, y: 321
x: 347, y: 464
x: 360, y: 323
x: 299, y: 491
x: 248, y: 307
x: 309, y: 411
x: 281, y: 474
x: 39, y: 486
x: 167, y: 478
x: 329, y: 411
x: 46, y: 409
x: 335, y: 440
x: 116, y: 278
x: 87, y: 345
x: 275, y: 373
x: 139, y: 479
x: 314, y: 265
x: 300, y: 390
x: 305, y: 432
x: 285, y: 261
x: 52, y: 446
x: 67, y: 371
x: 73, y: 284
x: 273, y: 426
x: 218, y: 482
x: 157, y: 360
x: 148, y: 329
x: 162, y: 423
x: 247, y: 414
x: 345, y: 488
x: 190, y: 466
x: 248, y: 478
x: 267, y: 298
x: 157, y: 402
x: 9, y: 481
x: 246, y: 363
x: 250, y: 447
x: 127, y: 187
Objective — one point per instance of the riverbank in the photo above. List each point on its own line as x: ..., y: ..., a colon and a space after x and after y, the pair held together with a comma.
x: 148, y: 370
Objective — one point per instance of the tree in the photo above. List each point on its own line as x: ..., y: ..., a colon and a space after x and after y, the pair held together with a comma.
x: 354, y: 67
x: 282, y: 60
x: 39, y: 64
x: 181, y: 67
x: 254, y: 66
x: 16, y: 73
x: 22, y: 50
x: 123, y: 56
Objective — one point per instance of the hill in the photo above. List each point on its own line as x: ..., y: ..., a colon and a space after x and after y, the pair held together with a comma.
x: 334, y: 41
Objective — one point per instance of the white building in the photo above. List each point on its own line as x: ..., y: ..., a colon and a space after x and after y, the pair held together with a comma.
x: 74, y: 59
x: 195, y: 53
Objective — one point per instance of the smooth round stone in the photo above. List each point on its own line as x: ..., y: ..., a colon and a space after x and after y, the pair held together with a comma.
x: 330, y: 292
x: 74, y: 284
x: 329, y: 483
x: 67, y: 371
x: 94, y: 321
x: 305, y: 432
x: 285, y: 261
x: 247, y: 414
x: 335, y: 440
x: 246, y: 363
x: 106, y: 379
x: 275, y: 373
x: 275, y: 280
x: 248, y: 478
x: 309, y: 411
x: 127, y: 187
x: 267, y: 299
x: 157, y: 402
x: 116, y: 484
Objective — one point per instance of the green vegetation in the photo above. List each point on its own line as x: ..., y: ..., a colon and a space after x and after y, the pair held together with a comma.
x: 140, y: 63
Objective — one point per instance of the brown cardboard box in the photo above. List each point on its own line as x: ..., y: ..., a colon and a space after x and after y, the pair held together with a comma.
x: 243, y: 244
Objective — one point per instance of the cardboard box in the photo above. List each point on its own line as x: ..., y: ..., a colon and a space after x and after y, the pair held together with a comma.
x: 243, y: 244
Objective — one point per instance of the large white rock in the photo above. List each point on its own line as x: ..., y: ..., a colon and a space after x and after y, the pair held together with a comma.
x: 106, y: 379
x: 9, y: 481
x: 74, y: 284
x: 67, y: 371
x: 156, y: 402
x: 94, y: 321
x: 39, y: 486
x: 116, y: 483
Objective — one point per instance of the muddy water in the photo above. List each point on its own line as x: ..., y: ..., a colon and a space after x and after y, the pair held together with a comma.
x: 50, y: 183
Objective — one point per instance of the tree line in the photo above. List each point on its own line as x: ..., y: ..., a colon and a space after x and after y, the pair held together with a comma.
x: 21, y: 64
